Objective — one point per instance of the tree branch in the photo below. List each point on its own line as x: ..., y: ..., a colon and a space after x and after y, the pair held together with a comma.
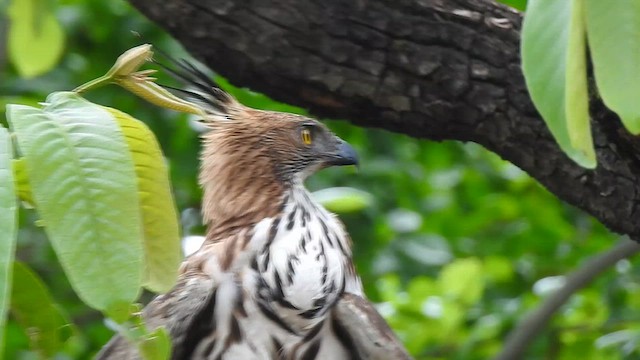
x: 435, y: 69
x: 531, y: 325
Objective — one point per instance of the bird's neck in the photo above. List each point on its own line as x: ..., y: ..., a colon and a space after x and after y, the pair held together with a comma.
x: 235, y: 199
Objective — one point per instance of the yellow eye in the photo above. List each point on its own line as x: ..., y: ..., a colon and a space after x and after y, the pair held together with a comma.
x: 306, y: 136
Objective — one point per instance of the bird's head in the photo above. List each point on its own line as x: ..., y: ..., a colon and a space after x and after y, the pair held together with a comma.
x: 291, y: 146
x: 251, y: 157
x: 294, y: 146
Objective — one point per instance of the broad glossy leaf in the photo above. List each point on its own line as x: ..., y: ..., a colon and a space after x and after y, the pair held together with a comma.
x: 343, y: 199
x: 160, y: 220
x: 8, y: 226
x: 554, y: 69
x: 84, y: 188
x: 36, y: 39
x: 34, y: 309
x: 613, y: 29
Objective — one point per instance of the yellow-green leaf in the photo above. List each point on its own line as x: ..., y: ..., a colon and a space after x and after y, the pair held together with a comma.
x: 553, y: 63
x: 160, y: 220
x: 36, y: 39
x: 22, y: 181
x: 576, y: 93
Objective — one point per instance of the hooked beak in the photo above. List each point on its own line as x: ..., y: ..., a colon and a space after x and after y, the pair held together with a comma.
x: 345, y: 155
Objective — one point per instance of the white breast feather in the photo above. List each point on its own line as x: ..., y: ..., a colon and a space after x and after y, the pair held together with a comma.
x: 306, y: 283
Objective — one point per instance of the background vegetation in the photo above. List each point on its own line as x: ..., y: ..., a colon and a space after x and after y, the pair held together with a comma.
x: 455, y: 247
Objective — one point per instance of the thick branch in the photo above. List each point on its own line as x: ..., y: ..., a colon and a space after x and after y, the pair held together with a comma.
x: 436, y: 69
x: 529, y: 327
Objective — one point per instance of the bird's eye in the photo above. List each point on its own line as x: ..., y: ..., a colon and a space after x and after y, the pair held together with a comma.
x: 306, y: 136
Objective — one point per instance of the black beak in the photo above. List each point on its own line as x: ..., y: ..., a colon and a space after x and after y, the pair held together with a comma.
x: 345, y: 155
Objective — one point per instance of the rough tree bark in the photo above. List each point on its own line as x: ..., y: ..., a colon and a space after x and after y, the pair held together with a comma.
x: 433, y: 69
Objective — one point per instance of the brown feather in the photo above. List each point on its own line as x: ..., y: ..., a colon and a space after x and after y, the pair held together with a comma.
x: 241, y: 172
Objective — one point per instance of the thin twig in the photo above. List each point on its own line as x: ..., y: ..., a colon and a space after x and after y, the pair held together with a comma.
x: 528, y: 328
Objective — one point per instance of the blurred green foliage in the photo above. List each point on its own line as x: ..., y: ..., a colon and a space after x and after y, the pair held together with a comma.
x: 450, y: 246
x: 517, y: 4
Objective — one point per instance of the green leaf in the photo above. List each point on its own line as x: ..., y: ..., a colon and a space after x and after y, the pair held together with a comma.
x: 462, y: 280
x: 343, y: 199
x: 576, y: 89
x: 34, y: 309
x: 36, y: 39
x: 21, y: 181
x: 8, y: 226
x: 554, y: 66
x: 83, y: 182
x: 156, y: 345
x: 613, y: 29
x: 160, y: 220
x: 119, y: 311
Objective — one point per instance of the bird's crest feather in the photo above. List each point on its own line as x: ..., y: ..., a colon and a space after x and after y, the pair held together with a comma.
x: 201, y: 90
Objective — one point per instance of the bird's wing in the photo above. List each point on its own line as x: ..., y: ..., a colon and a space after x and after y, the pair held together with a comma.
x: 186, y: 312
x: 364, y: 331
